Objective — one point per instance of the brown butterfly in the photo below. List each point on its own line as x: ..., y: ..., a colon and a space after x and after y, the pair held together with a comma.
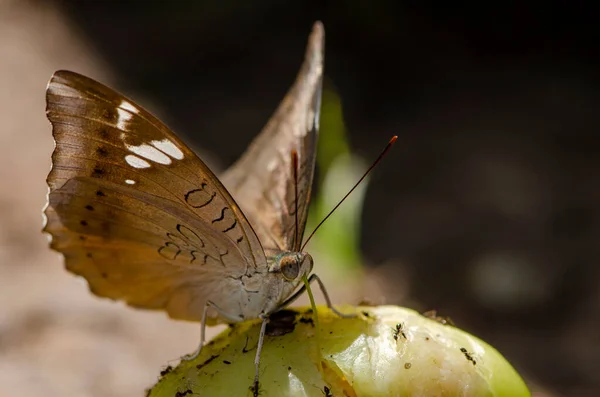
x: 144, y: 220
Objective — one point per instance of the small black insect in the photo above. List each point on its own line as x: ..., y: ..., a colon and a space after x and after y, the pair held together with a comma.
x: 166, y: 370
x: 399, y: 330
x: 468, y: 355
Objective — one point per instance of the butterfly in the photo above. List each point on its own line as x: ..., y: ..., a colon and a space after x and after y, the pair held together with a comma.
x: 142, y: 218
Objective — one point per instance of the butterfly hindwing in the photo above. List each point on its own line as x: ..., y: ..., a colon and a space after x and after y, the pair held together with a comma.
x: 262, y: 180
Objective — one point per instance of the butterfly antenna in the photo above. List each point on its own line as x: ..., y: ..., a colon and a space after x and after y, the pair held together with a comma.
x: 381, y: 156
x: 295, y: 172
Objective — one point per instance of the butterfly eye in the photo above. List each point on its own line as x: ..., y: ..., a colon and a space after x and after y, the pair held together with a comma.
x: 290, y: 267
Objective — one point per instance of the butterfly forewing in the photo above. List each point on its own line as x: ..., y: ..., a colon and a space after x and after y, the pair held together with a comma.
x: 134, y: 210
x: 262, y: 180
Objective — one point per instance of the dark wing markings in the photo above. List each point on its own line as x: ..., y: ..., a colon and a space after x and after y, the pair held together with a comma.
x: 231, y: 227
x: 204, y: 258
x: 169, y: 245
x: 222, y: 215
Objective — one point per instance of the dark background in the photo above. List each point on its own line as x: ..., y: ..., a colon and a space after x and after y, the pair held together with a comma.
x: 490, y: 201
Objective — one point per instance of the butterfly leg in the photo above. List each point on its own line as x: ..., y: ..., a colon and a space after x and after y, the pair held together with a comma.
x: 312, y: 278
x: 261, y: 339
x: 207, y: 306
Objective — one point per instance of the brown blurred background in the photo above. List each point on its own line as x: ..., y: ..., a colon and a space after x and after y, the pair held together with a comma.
x: 488, y: 209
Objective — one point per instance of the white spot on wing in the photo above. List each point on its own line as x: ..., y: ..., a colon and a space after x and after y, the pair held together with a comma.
x: 169, y: 148
x: 317, y: 112
x: 130, y: 181
x: 272, y: 165
x: 45, y: 223
x: 312, y: 120
x: 149, y: 152
x: 123, y: 118
x: 44, y: 217
x: 129, y: 106
x: 136, y: 162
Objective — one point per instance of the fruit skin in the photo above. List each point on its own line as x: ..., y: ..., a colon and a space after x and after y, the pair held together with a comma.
x: 385, y: 351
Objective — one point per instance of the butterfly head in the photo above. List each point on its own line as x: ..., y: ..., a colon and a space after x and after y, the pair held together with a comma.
x: 292, y: 265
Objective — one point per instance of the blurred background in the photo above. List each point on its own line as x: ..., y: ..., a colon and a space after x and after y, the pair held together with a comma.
x: 487, y: 209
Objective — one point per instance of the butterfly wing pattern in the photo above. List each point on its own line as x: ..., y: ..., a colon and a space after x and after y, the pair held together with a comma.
x: 139, y: 216
x: 262, y: 179
x: 134, y: 210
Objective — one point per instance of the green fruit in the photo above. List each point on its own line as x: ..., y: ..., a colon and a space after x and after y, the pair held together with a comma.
x: 385, y: 351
